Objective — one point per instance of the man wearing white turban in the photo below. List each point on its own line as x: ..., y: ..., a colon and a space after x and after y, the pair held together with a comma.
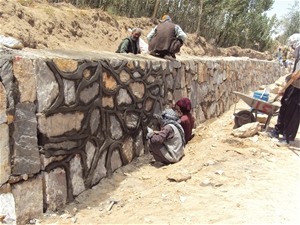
x: 167, y: 145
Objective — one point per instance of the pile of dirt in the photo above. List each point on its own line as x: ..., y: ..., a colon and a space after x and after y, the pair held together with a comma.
x: 40, y: 25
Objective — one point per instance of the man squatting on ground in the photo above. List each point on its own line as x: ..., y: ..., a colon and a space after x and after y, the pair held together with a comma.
x: 167, y: 144
x: 183, y: 107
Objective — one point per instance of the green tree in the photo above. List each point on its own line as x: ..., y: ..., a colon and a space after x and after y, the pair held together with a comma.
x: 237, y: 22
x: 223, y: 22
x: 290, y: 24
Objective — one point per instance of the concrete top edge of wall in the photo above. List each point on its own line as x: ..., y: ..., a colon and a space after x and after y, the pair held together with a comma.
x: 97, y: 55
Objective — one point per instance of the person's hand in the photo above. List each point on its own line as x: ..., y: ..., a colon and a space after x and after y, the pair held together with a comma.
x: 280, y: 92
x: 158, y: 117
x: 150, y: 133
x: 295, y: 75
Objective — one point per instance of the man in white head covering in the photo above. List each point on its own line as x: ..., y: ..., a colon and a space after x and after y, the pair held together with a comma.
x: 294, y: 42
x: 289, y: 114
x: 167, y: 145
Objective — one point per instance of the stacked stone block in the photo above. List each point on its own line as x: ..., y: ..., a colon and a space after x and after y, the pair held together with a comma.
x: 69, y: 119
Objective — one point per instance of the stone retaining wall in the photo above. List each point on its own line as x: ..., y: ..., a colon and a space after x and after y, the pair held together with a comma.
x: 68, y: 119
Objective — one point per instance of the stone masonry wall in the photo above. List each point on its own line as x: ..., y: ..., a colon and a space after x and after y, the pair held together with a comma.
x: 68, y: 119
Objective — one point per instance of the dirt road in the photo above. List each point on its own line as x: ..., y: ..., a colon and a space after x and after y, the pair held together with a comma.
x: 221, y: 180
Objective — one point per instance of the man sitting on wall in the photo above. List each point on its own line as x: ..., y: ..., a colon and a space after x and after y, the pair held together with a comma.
x: 166, y: 39
x: 131, y: 43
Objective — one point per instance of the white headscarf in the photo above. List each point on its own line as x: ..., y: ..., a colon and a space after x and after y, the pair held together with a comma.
x: 169, y: 116
x: 294, y: 40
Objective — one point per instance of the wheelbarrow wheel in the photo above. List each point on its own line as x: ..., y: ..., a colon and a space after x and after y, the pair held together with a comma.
x: 243, y: 117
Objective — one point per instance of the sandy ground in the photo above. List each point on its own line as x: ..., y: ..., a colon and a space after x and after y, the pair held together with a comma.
x: 225, y: 180
x: 221, y: 180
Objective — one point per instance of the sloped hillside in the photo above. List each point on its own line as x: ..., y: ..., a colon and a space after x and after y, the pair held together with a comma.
x: 38, y: 24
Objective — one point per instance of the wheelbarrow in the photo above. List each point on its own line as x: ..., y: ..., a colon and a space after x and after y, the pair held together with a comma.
x: 257, y: 106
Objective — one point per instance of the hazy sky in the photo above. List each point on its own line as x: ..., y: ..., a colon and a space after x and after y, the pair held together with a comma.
x: 281, y: 8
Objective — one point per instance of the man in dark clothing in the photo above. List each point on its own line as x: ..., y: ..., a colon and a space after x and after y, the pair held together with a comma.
x: 183, y: 107
x: 131, y: 43
x: 289, y: 113
x: 166, y: 38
